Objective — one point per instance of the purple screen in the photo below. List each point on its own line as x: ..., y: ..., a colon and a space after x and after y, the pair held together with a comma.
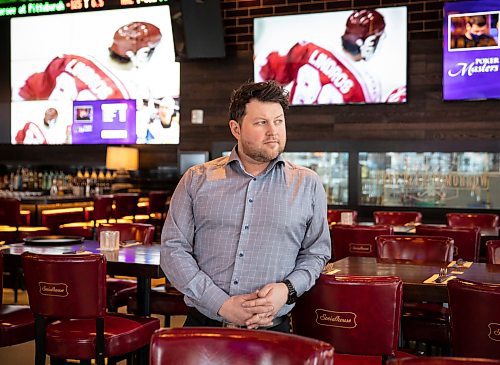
x: 104, y: 122
x: 471, y: 58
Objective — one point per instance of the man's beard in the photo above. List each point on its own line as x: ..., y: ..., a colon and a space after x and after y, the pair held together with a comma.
x: 262, y: 156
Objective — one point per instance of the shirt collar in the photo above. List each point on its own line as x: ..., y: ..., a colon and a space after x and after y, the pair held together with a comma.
x: 233, y: 156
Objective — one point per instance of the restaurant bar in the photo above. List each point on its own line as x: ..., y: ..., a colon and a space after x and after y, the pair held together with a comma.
x: 156, y: 208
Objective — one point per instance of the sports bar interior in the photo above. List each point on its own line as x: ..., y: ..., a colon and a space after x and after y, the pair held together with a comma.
x: 106, y: 104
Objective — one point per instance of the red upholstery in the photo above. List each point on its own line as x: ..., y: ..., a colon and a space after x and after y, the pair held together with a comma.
x: 396, y: 218
x: 218, y: 346
x: 356, y: 240
x: 165, y: 300
x: 443, y: 361
x: 472, y: 220
x: 157, y: 202
x: 475, y: 318
x: 16, y: 322
x: 415, y: 248
x: 72, y: 288
x: 25, y: 217
x: 493, y: 251
x: 53, y: 218
x: 466, y: 240
x: 357, y: 315
x: 10, y: 214
x: 103, y: 207
x: 139, y: 232
x: 84, y: 229
x: 334, y: 215
x: 125, y: 204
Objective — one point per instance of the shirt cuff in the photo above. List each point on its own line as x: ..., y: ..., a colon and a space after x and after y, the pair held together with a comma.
x: 212, y: 300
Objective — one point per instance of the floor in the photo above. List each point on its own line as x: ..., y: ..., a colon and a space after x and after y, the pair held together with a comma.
x: 24, y: 354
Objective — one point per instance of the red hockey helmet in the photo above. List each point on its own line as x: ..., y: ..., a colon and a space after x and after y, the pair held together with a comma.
x: 363, y: 31
x: 132, y: 37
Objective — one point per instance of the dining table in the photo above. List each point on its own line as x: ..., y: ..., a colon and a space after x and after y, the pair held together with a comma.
x: 415, y: 275
x: 140, y: 261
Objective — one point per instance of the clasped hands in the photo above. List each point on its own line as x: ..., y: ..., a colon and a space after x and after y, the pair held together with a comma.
x: 256, y: 309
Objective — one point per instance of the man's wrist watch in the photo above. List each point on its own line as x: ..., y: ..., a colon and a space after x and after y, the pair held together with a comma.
x: 292, y: 294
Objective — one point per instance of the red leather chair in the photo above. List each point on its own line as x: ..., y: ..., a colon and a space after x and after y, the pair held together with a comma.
x: 157, y: 208
x: 493, y: 251
x: 475, y: 318
x: 53, y: 218
x: 359, y: 316
x: 72, y: 289
x: 138, y: 232
x: 11, y: 220
x: 16, y: 322
x: 164, y: 300
x: 356, y: 240
x: 101, y: 212
x: 466, y: 240
x: 222, y: 346
x: 334, y: 215
x: 415, y: 248
x: 443, y: 361
x: 397, y: 218
x: 126, y: 205
x: 472, y: 220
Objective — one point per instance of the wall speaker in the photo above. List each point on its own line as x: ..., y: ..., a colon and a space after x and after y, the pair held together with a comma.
x: 197, y: 28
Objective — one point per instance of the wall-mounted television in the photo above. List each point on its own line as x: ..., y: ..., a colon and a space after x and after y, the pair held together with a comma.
x: 338, y: 57
x: 95, y: 77
x: 471, y: 50
x: 189, y: 159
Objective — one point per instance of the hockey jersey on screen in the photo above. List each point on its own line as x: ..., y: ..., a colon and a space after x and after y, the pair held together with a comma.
x: 71, y: 77
x: 317, y: 76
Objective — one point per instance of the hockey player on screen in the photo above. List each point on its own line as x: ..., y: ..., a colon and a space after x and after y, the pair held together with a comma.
x: 319, y: 76
x: 76, y: 77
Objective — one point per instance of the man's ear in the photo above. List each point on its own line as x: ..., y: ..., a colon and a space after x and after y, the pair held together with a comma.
x: 235, y: 129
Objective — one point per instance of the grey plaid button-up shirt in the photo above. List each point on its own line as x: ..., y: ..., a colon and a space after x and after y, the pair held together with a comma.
x: 228, y: 232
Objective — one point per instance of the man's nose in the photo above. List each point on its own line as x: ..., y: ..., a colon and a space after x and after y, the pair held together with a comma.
x: 272, y: 129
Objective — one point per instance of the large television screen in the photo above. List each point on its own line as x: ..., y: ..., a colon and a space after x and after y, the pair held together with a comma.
x: 99, y: 77
x: 339, y: 57
x: 471, y: 50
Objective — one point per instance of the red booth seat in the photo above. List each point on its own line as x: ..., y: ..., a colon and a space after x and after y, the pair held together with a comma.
x: 53, y: 218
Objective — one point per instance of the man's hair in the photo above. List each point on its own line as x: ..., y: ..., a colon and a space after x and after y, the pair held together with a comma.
x: 267, y: 91
x: 479, y: 20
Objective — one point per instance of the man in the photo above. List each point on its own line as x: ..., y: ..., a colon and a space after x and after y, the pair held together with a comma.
x: 161, y: 125
x: 247, y: 233
x: 320, y: 76
x: 48, y: 132
x: 476, y: 34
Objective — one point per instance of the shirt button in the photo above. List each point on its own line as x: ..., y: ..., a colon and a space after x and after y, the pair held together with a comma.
x: 241, y: 254
x: 250, y: 200
x: 254, y: 179
x: 235, y: 282
x: 246, y: 227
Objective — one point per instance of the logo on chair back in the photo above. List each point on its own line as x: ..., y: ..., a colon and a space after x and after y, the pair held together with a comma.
x: 360, y: 247
x: 53, y: 289
x: 335, y: 319
x: 494, y: 331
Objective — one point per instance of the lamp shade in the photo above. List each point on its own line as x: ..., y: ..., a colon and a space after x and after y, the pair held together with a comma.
x: 122, y: 158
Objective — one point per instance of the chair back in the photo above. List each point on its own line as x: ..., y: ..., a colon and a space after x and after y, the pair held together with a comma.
x: 396, y: 218
x: 139, y: 232
x: 125, y: 204
x: 474, y: 318
x: 415, y: 248
x: 335, y: 215
x: 103, y: 207
x: 472, y: 220
x: 493, y: 251
x: 1, y: 277
x: 157, y: 201
x: 221, y: 346
x: 359, y: 315
x: 434, y: 360
x: 466, y: 240
x: 66, y: 286
x: 356, y: 240
x: 10, y: 213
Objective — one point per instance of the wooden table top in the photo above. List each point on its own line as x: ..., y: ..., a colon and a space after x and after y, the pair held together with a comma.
x: 414, y: 274
x: 139, y: 261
